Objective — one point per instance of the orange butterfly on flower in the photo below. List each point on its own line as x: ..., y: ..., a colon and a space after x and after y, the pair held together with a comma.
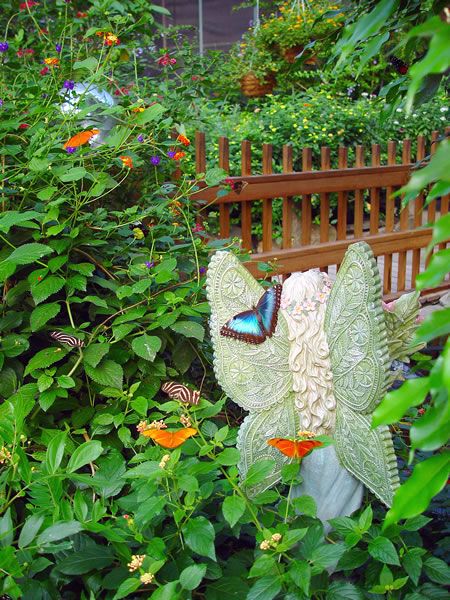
x: 170, y: 439
x: 296, y: 448
x: 81, y: 138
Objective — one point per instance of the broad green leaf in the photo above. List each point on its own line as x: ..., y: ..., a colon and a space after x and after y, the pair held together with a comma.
x: 94, y: 353
x: 228, y: 457
x: 437, y: 570
x: 365, y: 519
x: 300, y: 573
x: 152, y: 113
x: 436, y: 271
x: 258, y: 472
x: 58, y: 531
x: 73, y: 174
x: 383, y: 550
x: 233, y: 508
x: 42, y: 314
x: 93, y: 556
x: 30, y: 530
x: 412, y: 563
x: 305, y: 505
x: 41, y: 290
x: 413, y: 497
x: 215, y: 176
x: 190, y: 329
x: 55, y: 451
x: 6, y: 529
x: 38, y: 164
x: 127, y: 587
x: 265, y: 588
x: 166, y: 592
x: 191, y: 577
x: 395, y: 404
x: 107, y: 373
x: 45, y: 358
x: 327, y: 555
x: 263, y: 565
x: 343, y: 590
x: 432, y: 430
x: 146, y: 346
x: 47, y: 192
x: 84, y: 454
x: 435, y: 325
x: 12, y: 217
x: 89, y: 63
x: 29, y: 253
x: 199, y: 535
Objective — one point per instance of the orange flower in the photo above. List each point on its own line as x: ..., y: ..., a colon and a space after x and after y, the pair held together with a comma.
x: 138, y: 109
x: 127, y: 161
x: 183, y: 140
x: 81, y: 138
x: 306, y: 104
x: 179, y: 155
x: 53, y: 62
x: 111, y: 39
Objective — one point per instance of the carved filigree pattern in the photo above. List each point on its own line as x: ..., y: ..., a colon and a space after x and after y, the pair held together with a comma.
x: 367, y: 453
x: 257, y: 428
x: 255, y: 377
x: 356, y: 332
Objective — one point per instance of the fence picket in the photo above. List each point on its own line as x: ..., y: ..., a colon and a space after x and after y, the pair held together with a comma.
x: 342, y: 198
x: 224, y: 209
x: 418, y: 211
x: 390, y: 215
x: 375, y: 193
x: 246, y: 207
x: 306, y: 200
x: 359, y: 196
x: 267, y: 202
x: 288, y: 205
x: 404, y: 222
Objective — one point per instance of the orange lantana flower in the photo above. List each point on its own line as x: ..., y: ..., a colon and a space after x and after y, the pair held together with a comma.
x: 127, y: 161
x: 53, y: 62
x: 179, y: 155
x: 183, y: 140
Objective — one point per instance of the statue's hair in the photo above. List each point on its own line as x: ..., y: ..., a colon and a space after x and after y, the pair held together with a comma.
x: 309, y: 353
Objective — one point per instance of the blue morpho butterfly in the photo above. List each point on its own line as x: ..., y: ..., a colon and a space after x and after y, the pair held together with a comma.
x: 255, y: 325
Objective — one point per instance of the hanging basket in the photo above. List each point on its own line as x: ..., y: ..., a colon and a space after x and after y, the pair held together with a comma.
x: 253, y: 87
x: 290, y: 54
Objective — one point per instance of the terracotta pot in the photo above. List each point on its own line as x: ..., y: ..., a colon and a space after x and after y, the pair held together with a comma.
x: 253, y: 87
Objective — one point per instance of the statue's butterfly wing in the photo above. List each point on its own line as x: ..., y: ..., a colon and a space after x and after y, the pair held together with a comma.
x: 292, y: 448
x: 246, y: 327
x: 268, y: 307
x: 170, y: 439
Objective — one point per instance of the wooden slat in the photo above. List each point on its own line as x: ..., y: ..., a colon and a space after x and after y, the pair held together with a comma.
x: 325, y: 165
x: 418, y: 211
x: 342, y: 198
x: 375, y: 193
x: 306, y: 199
x: 431, y: 206
x: 224, y: 209
x: 311, y: 182
x: 288, y: 204
x: 267, y: 202
x: 200, y: 152
x: 389, y: 226
x: 359, y: 196
x: 445, y: 200
x: 316, y: 256
x: 404, y: 222
x: 246, y: 207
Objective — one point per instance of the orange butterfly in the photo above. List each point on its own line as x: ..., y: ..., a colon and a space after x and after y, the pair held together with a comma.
x: 292, y: 448
x: 81, y: 138
x: 170, y: 439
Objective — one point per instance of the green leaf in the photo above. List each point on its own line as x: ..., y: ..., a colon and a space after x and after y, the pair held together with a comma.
x: 215, y: 176
x: 228, y: 457
x: 413, y: 497
x: 263, y: 565
x: 146, y: 346
x: 93, y: 556
x: 73, y: 174
x: 327, y: 555
x: 365, y: 519
x: 28, y: 253
x: 264, y: 589
x: 55, y: 451
x: 383, y: 550
x: 395, y: 404
x: 84, y: 454
x: 432, y: 430
x: 341, y: 590
x: 199, y: 535
x: 416, y: 523
x: 41, y: 290
x: 107, y: 373
x: 300, y: 573
x: 437, y: 570
x: 191, y: 577
x: 94, y: 353
x: 190, y: 329
x: 233, y: 508
x: 38, y: 164
x: 6, y: 529
x: 305, y: 505
x: 435, y: 325
x: 436, y: 271
x: 259, y: 471
x: 166, y: 592
x: 90, y: 64
x: 127, y: 587
x: 45, y: 358
x: 47, y: 192
x: 42, y: 314
x: 30, y: 530
x: 152, y: 113
x: 13, y: 217
x: 58, y: 531
x: 412, y: 563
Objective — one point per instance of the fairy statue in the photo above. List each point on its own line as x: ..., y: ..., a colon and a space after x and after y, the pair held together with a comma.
x: 316, y: 357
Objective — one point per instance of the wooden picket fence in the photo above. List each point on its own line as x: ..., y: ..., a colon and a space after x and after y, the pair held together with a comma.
x: 398, y: 237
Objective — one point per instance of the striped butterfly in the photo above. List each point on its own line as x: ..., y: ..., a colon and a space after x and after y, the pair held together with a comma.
x: 65, y: 338
x: 180, y: 392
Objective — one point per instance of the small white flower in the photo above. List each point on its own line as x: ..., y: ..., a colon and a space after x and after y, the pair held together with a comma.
x: 415, y: 115
x: 396, y: 123
x: 364, y: 94
x: 444, y: 109
x: 399, y: 110
x: 443, y: 118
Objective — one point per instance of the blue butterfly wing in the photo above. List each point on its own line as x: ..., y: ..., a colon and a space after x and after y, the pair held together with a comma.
x: 244, y: 326
x: 268, y: 307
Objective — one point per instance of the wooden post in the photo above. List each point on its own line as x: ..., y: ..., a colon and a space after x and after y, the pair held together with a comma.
x: 287, y: 202
x: 359, y: 196
x: 375, y: 193
x: 246, y: 207
x: 267, y: 202
x: 404, y: 222
x: 306, y: 200
x: 224, y: 209
x: 200, y: 152
x: 342, y: 198
x: 390, y: 214
x: 445, y: 200
x: 418, y: 211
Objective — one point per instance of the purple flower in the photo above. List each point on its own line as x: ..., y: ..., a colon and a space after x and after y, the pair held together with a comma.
x: 149, y: 264
x: 155, y: 160
x: 58, y: 47
x: 202, y: 270
x: 70, y: 149
x: 69, y: 84
x: 140, y: 137
x: 4, y: 46
x: 1, y: 101
x: 171, y: 153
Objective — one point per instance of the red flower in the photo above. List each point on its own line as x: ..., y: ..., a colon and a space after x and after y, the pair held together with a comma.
x: 28, y: 51
x: 81, y: 14
x: 44, y: 71
x: 23, y: 126
x: 27, y: 4
x: 165, y: 60
x: 179, y: 155
x: 183, y: 140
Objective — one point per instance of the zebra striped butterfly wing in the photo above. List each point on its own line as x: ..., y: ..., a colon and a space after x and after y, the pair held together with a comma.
x: 179, y: 391
x: 65, y: 338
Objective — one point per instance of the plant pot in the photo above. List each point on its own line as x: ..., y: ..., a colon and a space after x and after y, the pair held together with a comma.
x: 289, y: 54
x: 253, y: 87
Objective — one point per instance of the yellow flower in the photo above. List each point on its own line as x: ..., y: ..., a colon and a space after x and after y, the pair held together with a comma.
x: 136, y: 562
x: 53, y: 62
x: 147, y: 578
